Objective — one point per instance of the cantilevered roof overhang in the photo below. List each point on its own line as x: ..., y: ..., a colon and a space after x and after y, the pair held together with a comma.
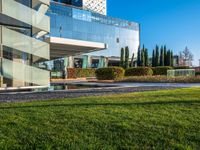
x: 63, y: 47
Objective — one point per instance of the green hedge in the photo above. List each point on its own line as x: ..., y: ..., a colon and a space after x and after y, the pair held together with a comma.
x: 181, y: 67
x: 160, y: 70
x: 110, y: 73
x: 80, y: 72
x: 197, y: 73
x: 139, y: 71
x: 161, y: 79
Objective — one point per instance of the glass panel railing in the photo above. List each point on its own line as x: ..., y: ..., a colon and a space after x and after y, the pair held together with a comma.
x: 25, y: 73
x: 47, y: 2
x: 35, y: 2
x: 25, y: 14
x: 24, y: 43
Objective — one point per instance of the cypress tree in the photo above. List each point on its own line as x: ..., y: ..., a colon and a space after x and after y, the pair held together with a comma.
x: 157, y: 56
x: 146, y: 58
x: 126, y: 65
x: 161, y: 56
x: 168, y: 58
x: 132, y: 60
x: 153, y: 58
x: 122, y: 58
x: 172, y: 59
x: 139, y: 57
x: 165, y: 55
x: 143, y: 57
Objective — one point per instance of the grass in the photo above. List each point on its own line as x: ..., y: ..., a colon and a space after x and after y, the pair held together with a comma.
x: 150, y: 120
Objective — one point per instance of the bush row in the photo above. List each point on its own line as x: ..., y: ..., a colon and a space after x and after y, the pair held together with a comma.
x: 147, y: 71
x: 197, y: 73
x: 117, y: 73
x: 110, y: 73
x: 161, y: 79
x: 160, y: 70
x: 80, y: 72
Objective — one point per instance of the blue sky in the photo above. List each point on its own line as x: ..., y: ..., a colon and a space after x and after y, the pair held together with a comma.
x: 175, y: 23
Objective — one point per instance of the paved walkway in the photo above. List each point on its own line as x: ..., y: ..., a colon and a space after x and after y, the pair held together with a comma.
x: 30, y: 96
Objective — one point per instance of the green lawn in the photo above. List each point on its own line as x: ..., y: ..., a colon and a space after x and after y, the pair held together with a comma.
x: 151, y: 120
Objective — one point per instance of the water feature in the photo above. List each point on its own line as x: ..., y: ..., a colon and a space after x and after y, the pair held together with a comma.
x: 76, y: 86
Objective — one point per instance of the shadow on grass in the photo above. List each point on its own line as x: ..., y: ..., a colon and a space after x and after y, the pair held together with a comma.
x: 190, y: 102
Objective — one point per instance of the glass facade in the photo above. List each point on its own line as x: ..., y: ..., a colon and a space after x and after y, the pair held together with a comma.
x: 73, y: 23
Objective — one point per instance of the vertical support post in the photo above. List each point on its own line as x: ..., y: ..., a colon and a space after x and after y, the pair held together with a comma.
x: 85, y: 61
x: 66, y: 63
x: 71, y: 62
x: 89, y: 61
x: 102, y: 62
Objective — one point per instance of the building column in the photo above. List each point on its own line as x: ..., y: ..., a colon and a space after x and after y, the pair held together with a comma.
x: 71, y: 62
x: 86, y: 61
x: 66, y: 63
x: 106, y: 62
x: 103, y: 62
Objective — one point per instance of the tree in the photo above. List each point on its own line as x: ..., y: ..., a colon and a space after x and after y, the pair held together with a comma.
x: 157, y: 56
x: 168, y: 63
x: 146, y: 57
x: 132, y: 60
x: 186, y: 57
x: 122, y: 58
x: 143, y: 57
x: 162, y: 56
x: 172, y: 59
x: 153, y: 58
x: 165, y: 55
x: 126, y: 64
x: 139, y: 57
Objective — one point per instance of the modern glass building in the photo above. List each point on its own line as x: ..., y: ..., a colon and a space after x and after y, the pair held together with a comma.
x: 37, y: 36
x: 77, y: 23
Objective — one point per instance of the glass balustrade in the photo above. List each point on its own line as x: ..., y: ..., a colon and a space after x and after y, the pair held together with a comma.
x: 25, y: 14
x: 181, y: 72
x: 25, y: 73
x: 24, y: 43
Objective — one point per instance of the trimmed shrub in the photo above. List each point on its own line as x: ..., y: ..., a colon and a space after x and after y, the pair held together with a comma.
x: 139, y: 71
x: 89, y: 72
x: 181, y: 67
x: 161, y: 79
x: 110, y: 73
x: 80, y: 72
x: 71, y: 73
x: 161, y: 70
x: 197, y: 73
